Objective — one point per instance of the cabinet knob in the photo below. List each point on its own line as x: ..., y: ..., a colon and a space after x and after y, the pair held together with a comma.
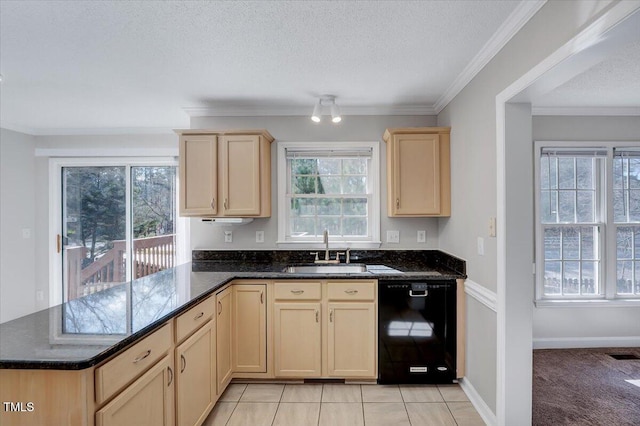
x: 213, y: 204
x: 225, y: 204
x: 143, y: 356
x: 397, y: 203
x: 351, y: 291
x: 197, y: 317
x: 170, y: 371
x: 183, y: 362
x: 330, y: 315
x: 317, y: 316
x: 219, y: 307
x: 262, y: 297
x: 296, y: 292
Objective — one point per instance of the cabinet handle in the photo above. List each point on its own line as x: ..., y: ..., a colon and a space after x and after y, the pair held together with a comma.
x: 200, y: 315
x: 170, y: 376
x: 297, y: 291
x: 262, y: 297
x: 141, y: 357
x: 183, y: 363
x: 225, y: 204
x: 397, y: 203
x: 317, y: 316
x: 219, y: 307
x: 213, y: 204
x: 330, y: 315
x: 350, y: 291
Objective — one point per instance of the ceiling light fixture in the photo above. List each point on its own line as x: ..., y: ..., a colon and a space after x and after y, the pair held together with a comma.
x: 326, y: 100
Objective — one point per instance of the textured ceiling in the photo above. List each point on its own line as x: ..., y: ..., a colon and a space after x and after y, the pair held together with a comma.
x: 112, y: 64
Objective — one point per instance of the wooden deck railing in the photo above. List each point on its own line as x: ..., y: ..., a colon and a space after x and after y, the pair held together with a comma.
x: 150, y: 255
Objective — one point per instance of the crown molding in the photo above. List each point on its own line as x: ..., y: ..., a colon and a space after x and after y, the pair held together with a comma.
x: 587, y: 111
x: 265, y: 110
x: 514, y: 23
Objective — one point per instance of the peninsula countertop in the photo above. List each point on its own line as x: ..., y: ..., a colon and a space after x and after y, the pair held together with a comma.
x: 84, y: 332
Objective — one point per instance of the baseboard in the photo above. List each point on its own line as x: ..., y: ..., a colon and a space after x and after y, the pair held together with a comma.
x: 586, y: 342
x: 481, y: 407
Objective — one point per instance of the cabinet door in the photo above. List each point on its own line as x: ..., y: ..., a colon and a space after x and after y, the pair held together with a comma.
x: 415, y: 174
x: 147, y: 401
x: 240, y: 175
x: 351, y: 346
x: 297, y: 339
x: 224, y: 350
x: 196, y: 377
x: 249, y: 328
x: 198, y: 175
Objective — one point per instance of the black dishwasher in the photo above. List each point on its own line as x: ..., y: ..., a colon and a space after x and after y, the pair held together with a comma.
x: 417, y: 331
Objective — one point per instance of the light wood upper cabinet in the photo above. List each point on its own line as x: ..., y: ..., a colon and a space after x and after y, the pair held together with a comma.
x: 198, y: 171
x: 250, y: 328
x: 147, y: 401
x: 418, y: 171
x: 225, y: 174
x: 224, y: 348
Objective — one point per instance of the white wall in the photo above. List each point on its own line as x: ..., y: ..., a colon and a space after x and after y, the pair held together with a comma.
x: 585, y: 326
x: 17, y: 215
x: 302, y: 129
x: 472, y: 116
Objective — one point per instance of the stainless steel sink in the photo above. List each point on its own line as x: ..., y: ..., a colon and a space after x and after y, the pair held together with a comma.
x: 341, y: 268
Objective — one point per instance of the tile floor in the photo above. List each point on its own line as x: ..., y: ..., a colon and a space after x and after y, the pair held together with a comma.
x: 343, y: 405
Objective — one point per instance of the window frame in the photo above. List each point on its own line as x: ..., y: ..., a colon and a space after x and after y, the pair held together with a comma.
x: 605, y: 223
x: 373, y: 184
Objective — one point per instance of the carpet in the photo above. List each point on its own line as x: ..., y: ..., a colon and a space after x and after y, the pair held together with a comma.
x: 586, y: 387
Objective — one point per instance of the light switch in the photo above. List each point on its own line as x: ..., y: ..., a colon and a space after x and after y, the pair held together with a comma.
x: 259, y: 236
x: 480, y: 246
x: 422, y: 236
x: 228, y: 236
x: 492, y: 226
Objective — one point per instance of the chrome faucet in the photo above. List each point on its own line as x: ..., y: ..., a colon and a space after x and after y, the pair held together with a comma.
x: 325, y: 237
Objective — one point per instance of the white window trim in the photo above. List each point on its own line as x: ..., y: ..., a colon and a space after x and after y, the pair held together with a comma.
x: 374, y: 181
x: 607, y: 252
x: 55, y: 214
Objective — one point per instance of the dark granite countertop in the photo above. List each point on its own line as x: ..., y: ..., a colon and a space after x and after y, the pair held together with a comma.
x: 84, y: 332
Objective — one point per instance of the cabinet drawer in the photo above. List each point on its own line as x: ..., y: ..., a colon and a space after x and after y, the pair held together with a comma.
x: 124, y: 368
x: 311, y: 290
x: 194, y: 318
x: 351, y: 290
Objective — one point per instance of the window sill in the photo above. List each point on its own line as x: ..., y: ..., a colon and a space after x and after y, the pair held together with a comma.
x: 604, y: 303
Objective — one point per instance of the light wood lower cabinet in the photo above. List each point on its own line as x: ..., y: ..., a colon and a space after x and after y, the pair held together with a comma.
x: 297, y: 338
x: 325, y: 329
x: 147, y: 401
x: 196, y: 391
x: 351, y: 342
x: 224, y: 332
x: 249, y: 328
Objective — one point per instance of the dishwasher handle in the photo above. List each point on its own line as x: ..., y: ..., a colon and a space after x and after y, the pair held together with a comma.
x: 421, y: 293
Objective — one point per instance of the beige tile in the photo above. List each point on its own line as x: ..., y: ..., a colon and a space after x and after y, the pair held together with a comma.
x: 452, y: 393
x: 433, y: 413
x: 297, y: 414
x: 465, y: 414
x: 385, y: 414
x: 341, y: 413
x: 341, y: 393
x: 262, y: 393
x: 381, y: 393
x: 233, y: 393
x: 302, y: 393
x: 420, y: 393
x: 220, y: 414
x: 253, y: 413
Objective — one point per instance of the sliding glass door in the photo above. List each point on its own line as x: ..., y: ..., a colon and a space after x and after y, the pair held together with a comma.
x: 117, y: 224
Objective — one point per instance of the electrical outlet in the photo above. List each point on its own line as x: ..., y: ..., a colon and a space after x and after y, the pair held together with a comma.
x: 393, y: 236
x: 480, y: 246
x: 259, y: 236
x: 228, y: 236
x: 39, y: 295
x: 422, y: 236
x: 26, y: 233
